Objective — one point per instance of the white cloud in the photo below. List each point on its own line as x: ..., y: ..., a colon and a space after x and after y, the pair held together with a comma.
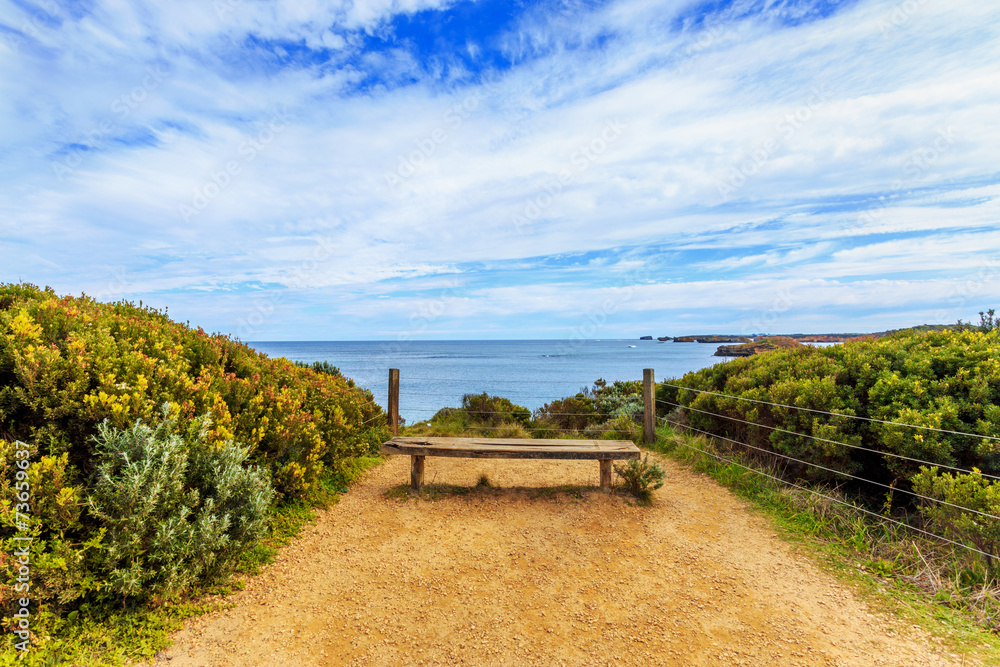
x: 695, y: 108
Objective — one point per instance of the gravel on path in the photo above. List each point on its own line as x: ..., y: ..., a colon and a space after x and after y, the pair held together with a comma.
x: 544, y: 569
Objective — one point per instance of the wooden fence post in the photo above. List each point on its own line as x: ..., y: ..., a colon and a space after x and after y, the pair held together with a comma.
x: 649, y: 405
x: 394, y: 401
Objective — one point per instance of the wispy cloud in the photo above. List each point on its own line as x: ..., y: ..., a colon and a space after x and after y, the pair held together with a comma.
x: 841, y: 152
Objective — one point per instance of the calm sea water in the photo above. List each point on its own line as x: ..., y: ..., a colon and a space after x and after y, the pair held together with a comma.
x: 435, y: 374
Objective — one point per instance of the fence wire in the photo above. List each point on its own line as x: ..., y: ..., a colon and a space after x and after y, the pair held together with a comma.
x: 509, y: 396
x: 547, y: 382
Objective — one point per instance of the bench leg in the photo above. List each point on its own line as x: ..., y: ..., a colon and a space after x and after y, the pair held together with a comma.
x: 416, y: 472
x: 605, y: 474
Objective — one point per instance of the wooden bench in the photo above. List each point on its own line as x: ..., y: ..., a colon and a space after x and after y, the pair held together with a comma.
x: 418, y: 447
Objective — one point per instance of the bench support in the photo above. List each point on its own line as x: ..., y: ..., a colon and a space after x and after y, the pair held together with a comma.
x: 416, y: 471
x: 605, y: 474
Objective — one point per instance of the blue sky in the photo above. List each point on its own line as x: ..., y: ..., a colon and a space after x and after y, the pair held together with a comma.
x: 402, y: 169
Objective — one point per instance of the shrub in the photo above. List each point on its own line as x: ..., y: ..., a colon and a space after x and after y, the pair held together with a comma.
x: 69, y: 363
x: 174, y: 512
x: 445, y: 414
x: 591, y: 411
x: 987, y: 321
x: 971, y: 491
x: 623, y: 428
x: 105, y: 527
x: 572, y: 413
x: 508, y: 430
x: 324, y: 367
x: 493, y: 410
x: 641, y: 478
x: 947, y: 380
x: 59, y: 571
x: 620, y: 398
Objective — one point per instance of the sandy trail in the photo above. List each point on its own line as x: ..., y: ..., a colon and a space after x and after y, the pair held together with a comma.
x: 531, y: 574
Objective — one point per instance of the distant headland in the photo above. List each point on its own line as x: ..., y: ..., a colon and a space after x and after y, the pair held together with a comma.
x: 750, y: 344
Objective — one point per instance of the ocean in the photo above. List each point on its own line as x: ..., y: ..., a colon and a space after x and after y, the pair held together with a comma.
x: 435, y: 374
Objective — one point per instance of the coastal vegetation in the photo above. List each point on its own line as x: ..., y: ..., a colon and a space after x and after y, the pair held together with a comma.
x: 146, y: 461
x: 856, y: 398
x: 712, y: 339
x: 640, y: 477
x: 319, y: 366
x: 759, y: 346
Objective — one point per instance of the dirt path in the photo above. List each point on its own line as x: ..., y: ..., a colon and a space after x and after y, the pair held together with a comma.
x: 531, y: 575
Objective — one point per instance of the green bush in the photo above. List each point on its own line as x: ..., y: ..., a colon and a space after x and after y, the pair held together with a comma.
x: 69, y: 363
x: 60, y: 545
x: 572, y: 413
x: 947, y: 380
x: 174, y: 512
x: 324, y: 367
x: 988, y: 321
x: 592, y: 411
x: 622, y: 428
x: 622, y: 398
x: 972, y: 491
x: 484, y: 409
x: 641, y: 478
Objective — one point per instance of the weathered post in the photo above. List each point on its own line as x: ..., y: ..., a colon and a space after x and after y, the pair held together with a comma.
x: 416, y: 472
x: 605, y: 474
x: 649, y: 405
x: 394, y: 401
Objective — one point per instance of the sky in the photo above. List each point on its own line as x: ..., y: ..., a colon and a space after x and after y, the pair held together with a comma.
x: 442, y: 169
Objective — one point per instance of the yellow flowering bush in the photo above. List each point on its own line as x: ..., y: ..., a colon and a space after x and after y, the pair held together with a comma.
x: 69, y: 364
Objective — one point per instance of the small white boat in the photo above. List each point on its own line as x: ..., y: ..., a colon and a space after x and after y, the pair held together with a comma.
x: 631, y: 345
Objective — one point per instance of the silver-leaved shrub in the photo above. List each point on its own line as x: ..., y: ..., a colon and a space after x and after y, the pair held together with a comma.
x: 176, y: 510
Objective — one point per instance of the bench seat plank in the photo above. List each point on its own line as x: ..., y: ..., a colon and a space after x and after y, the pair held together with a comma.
x: 512, y: 448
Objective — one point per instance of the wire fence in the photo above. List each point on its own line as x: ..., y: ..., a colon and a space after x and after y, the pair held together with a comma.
x: 371, y: 419
x: 542, y: 429
x: 509, y: 412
